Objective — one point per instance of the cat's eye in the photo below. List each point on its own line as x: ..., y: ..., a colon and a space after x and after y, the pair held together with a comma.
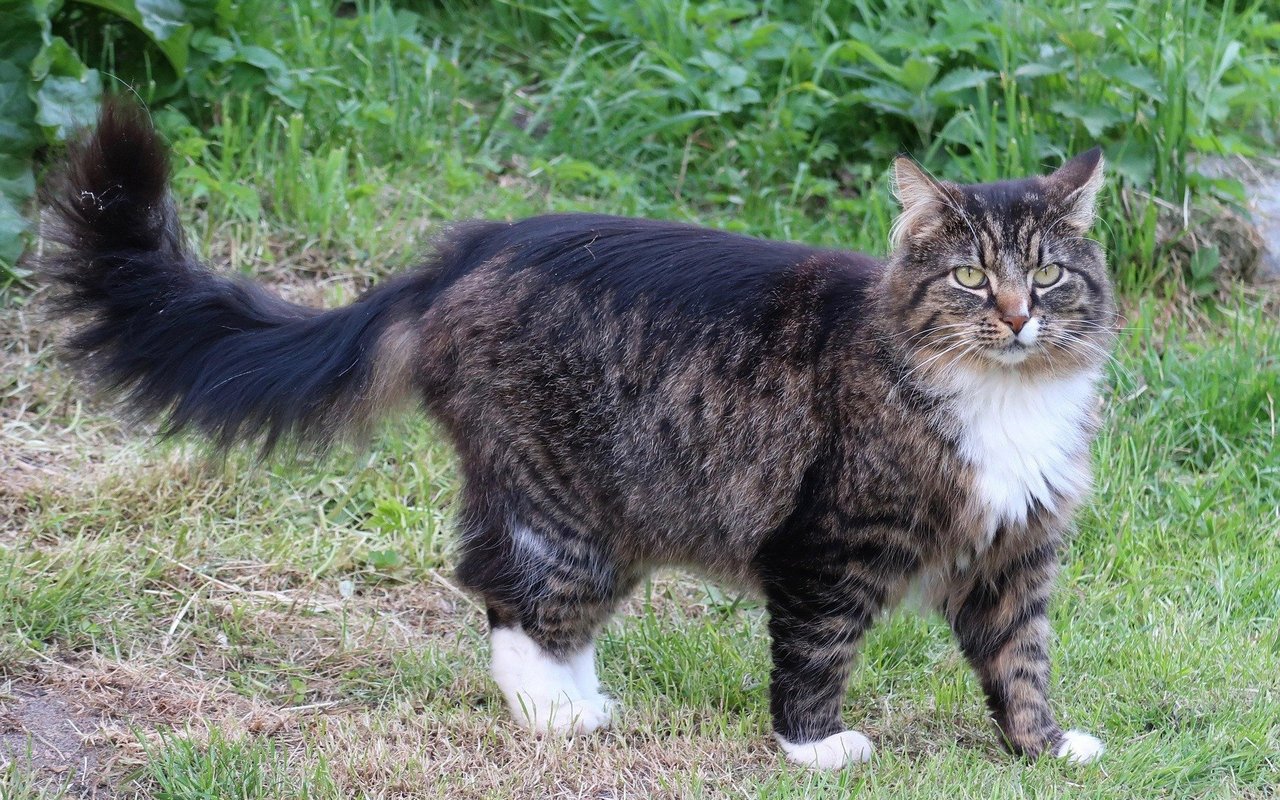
x: 970, y: 277
x: 1047, y: 275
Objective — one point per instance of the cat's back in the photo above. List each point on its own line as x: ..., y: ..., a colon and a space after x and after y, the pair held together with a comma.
x: 620, y: 264
x: 565, y: 299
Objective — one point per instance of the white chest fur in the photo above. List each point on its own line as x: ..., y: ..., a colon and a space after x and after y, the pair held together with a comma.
x: 1025, y: 438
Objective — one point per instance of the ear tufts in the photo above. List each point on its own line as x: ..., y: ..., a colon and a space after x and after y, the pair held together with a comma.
x: 922, y: 198
x: 1076, y: 184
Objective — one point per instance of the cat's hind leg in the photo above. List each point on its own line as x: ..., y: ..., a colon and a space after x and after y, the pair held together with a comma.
x: 548, y: 591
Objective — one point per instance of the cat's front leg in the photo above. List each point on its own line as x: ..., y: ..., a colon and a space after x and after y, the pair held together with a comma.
x: 1000, y: 620
x: 822, y: 596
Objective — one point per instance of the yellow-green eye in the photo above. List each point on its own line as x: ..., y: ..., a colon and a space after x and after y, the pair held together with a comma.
x: 1047, y: 275
x: 970, y: 277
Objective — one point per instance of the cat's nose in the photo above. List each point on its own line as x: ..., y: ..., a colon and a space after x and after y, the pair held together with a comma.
x: 1015, y: 320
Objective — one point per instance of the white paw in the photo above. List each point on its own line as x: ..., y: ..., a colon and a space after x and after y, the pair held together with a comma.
x: 603, y: 705
x: 833, y: 752
x: 1079, y: 747
x: 560, y: 716
x: 546, y: 694
x: 583, y: 667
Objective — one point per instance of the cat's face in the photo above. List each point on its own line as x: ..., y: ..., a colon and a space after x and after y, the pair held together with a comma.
x: 1000, y: 276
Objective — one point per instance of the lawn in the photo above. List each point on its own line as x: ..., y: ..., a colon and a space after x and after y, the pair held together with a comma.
x: 174, y: 625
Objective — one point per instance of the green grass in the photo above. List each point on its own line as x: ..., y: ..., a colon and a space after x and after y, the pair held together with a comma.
x: 291, y: 630
x: 18, y: 782
x: 248, y: 769
x: 350, y: 134
x: 1167, y: 637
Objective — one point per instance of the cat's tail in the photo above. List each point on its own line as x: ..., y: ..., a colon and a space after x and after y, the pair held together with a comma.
x: 202, y: 352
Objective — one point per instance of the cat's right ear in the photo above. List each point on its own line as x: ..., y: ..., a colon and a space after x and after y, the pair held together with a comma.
x: 1076, y: 184
x: 922, y: 199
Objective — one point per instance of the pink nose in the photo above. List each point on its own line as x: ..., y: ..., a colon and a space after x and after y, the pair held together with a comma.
x: 1014, y: 321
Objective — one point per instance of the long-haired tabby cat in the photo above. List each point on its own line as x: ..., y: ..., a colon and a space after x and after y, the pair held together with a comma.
x: 828, y: 429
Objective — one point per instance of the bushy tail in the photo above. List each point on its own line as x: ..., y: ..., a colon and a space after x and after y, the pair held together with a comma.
x: 204, y: 352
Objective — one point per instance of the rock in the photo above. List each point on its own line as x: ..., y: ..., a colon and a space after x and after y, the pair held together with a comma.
x: 1264, y: 205
x: 1260, y: 231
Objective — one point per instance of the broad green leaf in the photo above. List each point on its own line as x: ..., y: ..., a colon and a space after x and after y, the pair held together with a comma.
x: 65, y: 104
x: 57, y: 58
x: 734, y: 75
x: 759, y: 37
x: 1081, y: 40
x: 916, y: 74
x: 16, y: 178
x: 18, y: 133
x: 220, y: 49
x: 1135, y: 75
x: 716, y: 61
x: 887, y: 96
x: 163, y: 21
x: 196, y: 182
x: 242, y: 200
x: 1036, y: 70
x: 1217, y: 101
x: 1097, y: 119
x: 13, y: 228
x: 384, y: 559
x: 892, y: 100
x: 20, y: 42
x: 20, y: 33
x: 1133, y: 163
x: 1230, y: 55
x: 854, y: 50
x: 959, y: 79
x: 960, y: 129
x: 263, y: 59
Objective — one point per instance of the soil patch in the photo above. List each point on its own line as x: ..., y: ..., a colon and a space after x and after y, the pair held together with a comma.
x: 42, y: 729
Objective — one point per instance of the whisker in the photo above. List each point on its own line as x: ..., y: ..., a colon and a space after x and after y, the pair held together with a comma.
x: 1100, y: 326
x: 1074, y: 340
x: 951, y: 337
x: 931, y: 359
x: 935, y: 329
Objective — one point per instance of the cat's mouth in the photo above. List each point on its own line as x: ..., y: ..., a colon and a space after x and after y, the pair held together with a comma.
x: 1018, y: 347
x: 1010, y: 353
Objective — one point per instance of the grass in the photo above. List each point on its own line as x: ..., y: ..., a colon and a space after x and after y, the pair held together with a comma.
x: 298, y: 128
x: 205, y: 611
x: 19, y: 783
x: 291, y: 630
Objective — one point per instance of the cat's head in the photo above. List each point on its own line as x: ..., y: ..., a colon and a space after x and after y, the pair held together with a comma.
x: 999, y: 276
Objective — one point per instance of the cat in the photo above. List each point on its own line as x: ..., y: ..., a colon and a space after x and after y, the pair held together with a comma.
x: 827, y: 429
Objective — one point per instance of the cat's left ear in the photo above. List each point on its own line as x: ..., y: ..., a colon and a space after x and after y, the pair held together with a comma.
x: 1075, y: 187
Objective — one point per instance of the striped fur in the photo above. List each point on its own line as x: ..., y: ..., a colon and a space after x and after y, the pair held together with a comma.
x: 820, y: 426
